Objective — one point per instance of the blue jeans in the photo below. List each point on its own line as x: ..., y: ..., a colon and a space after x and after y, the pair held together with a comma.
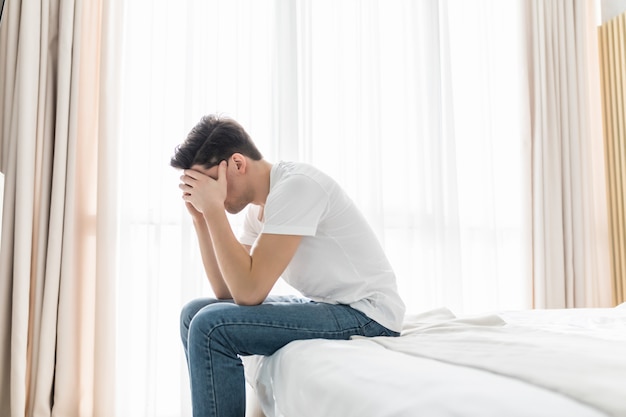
x: 216, y: 332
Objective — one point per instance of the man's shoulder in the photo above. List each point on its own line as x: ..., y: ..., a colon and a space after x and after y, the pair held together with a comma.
x: 297, y: 183
x: 299, y: 172
x: 286, y: 168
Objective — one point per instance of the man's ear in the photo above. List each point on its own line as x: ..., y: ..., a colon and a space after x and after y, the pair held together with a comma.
x: 239, y: 162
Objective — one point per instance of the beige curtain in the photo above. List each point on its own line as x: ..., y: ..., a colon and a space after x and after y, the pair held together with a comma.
x: 569, y: 220
x: 57, y: 260
x: 613, y: 63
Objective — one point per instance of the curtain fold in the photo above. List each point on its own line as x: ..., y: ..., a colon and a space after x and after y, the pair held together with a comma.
x: 59, y: 218
x: 570, y: 238
x: 613, y: 64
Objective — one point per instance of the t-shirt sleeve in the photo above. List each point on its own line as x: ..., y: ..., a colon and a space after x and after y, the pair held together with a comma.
x: 295, y: 207
x: 251, y: 227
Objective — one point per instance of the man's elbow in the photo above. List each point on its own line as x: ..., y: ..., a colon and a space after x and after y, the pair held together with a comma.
x: 247, y: 303
x: 222, y: 295
x: 252, y: 293
x: 250, y: 299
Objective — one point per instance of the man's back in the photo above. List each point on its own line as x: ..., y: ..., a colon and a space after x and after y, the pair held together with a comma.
x: 339, y: 260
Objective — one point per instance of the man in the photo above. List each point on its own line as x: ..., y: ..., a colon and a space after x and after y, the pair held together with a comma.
x: 300, y: 225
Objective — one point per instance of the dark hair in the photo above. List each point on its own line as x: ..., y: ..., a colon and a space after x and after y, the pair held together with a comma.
x: 213, y: 140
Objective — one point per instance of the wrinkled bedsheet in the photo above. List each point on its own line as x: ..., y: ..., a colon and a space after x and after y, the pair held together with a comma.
x: 528, y: 363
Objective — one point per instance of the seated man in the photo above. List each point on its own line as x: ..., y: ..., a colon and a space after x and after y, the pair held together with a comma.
x: 299, y: 225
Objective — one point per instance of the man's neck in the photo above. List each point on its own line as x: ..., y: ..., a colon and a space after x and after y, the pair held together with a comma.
x: 260, y: 177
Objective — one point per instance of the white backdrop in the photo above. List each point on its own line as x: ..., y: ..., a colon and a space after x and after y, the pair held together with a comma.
x: 418, y: 108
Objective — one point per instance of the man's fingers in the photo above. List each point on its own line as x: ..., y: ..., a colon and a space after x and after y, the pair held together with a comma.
x: 187, y: 180
x: 221, y: 171
x: 189, y: 173
x: 192, y: 174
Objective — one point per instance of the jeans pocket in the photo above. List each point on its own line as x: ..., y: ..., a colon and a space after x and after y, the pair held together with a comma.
x: 374, y: 329
x: 369, y: 327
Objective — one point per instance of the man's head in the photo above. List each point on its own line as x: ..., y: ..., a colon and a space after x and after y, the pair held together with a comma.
x: 212, y: 140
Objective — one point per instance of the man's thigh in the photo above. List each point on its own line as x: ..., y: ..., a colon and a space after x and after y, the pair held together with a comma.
x: 265, y: 328
x: 194, y: 306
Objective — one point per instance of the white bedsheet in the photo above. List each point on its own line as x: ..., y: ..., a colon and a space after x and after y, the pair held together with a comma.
x: 537, y: 363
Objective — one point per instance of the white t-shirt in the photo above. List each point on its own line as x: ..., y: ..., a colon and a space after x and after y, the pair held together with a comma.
x: 339, y: 260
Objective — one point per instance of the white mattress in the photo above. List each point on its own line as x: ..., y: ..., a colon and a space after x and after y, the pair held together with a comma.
x: 533, y: 363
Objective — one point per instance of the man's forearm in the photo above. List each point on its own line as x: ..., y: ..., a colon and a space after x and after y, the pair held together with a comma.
x: 250, y: 275
x: 233, y: 259
x: 209, y: 261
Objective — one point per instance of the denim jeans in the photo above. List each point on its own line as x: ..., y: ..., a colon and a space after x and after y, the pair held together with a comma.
x: 216, y: 332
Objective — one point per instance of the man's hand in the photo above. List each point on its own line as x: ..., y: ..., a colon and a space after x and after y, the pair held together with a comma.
x: 195, y: 214
x: 204, y: 193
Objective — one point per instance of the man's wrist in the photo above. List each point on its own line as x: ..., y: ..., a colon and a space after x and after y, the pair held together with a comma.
x: 198, y: 220
x: 214, y: 216
x: 212, y: 211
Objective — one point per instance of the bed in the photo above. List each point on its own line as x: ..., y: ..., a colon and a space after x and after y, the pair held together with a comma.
x: 569, y: 362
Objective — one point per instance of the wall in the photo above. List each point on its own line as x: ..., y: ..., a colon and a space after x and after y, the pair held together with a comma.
x: 612, y: 8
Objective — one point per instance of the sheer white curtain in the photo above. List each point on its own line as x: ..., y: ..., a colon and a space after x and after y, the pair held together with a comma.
x: 419, y: 108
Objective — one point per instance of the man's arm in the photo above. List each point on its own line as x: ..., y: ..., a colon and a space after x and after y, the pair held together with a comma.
x: 209, y: 261
x: 211, y: 268
x: 250, y: 276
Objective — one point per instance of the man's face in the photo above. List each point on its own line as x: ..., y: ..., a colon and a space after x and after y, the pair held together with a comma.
x: 236, y: 195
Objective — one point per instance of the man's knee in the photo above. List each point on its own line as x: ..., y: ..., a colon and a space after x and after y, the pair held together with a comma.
x: 190, y: 310
x: 214, y: 322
